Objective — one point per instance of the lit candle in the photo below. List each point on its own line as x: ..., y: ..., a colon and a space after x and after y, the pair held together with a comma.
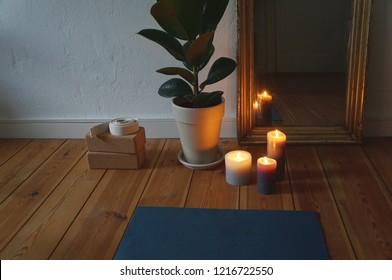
x: 238, y: 167
x: 256, y: 105
x: 276, y: 142
x: 257, y: 112
x: 265, y: 107
x: 265, y: 96
x: 266, y: 175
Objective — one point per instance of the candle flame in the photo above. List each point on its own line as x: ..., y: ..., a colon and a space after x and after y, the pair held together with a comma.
x: 277, y: 133
x: 262, y: 95
x: 238, y: 156
x: 256, y: 105
x: 265, y: 159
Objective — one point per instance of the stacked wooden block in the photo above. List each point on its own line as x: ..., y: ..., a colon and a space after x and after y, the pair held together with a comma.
x: 108, y: 151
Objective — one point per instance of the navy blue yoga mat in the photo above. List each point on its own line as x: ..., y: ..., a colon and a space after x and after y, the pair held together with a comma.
x: 157, y: 233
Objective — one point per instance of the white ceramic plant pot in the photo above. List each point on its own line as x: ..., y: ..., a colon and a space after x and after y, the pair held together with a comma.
x: 199, y: 131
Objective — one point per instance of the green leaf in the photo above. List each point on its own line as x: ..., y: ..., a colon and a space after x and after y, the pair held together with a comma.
x: 187, y: 75
x: 206, y: 60
x: 171, y: 44
x: 182, y: 19
x: 174, y: 87
x: 221, y: 68
x: 185, y: 48
x: 207, y: 99
x: 199, y: 49
x: 183, y: 101
x: 202, y: 100
x: 189, y: 97
x: 214, y: 10
x: 167, y: 18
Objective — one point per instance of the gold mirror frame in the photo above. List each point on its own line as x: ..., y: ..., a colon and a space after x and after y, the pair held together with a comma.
x: 248, y: 133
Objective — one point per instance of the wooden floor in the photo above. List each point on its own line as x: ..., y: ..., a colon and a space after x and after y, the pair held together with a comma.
x: 54, y: 207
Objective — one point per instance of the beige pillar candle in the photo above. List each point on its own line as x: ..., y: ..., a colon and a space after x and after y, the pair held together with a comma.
x: 276, y: 143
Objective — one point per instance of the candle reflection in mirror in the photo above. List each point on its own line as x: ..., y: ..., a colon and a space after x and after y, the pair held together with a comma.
x: 263, y: 109
x: 256, y: 112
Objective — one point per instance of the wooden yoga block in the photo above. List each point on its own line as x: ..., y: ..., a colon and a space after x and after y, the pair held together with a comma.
x: 104, y: 160
x: 106, y: 142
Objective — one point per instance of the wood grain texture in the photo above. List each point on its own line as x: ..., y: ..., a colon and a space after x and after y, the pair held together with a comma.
x: 379, y: 151
x: 250, y: 198
x: 98, y: 229
x: 17, y: 169
x: 9, y: 147
x: 23, y: 202
x: 43, y: 231
x: 63, y: 210
x: 311, y: 192
x: 169, y: 183
x: 209, y: 188
x: 309, y: 99
x: 361, y: 200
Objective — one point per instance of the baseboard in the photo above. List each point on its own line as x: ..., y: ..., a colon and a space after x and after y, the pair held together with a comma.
x: 378, y: 126
x: 155, y: 128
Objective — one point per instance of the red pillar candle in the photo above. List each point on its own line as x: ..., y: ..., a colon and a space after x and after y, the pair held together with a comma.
x: 266, y: 175
x: 276, y: 143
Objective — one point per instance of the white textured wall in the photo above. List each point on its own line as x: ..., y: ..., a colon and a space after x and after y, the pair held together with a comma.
x: 82, y: 59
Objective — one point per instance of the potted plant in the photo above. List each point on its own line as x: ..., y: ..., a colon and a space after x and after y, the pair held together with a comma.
x: 189, y: 27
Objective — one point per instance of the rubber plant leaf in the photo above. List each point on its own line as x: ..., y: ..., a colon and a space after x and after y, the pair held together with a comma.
x: 213, y: 12
x: 207, y: 99
x: 182, y: 19
x: 184, y: 101
x: 219, y: 70
x: 171, y: 44
x: 184, y: 73
x: 199, y: 49
x: 175, y: 87
x: 206, y: 59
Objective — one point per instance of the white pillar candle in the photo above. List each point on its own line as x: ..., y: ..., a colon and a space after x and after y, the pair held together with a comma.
x: 266, y: 175
x: 238, y: 167
x: 276, y: 143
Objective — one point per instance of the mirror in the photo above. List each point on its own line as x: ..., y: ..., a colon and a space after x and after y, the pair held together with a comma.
x: 339, y: 90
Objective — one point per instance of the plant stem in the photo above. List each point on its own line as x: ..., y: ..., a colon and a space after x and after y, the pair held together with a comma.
x: 196, y: 85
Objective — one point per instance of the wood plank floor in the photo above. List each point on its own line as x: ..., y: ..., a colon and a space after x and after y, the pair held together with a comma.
x: 52, y: 206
